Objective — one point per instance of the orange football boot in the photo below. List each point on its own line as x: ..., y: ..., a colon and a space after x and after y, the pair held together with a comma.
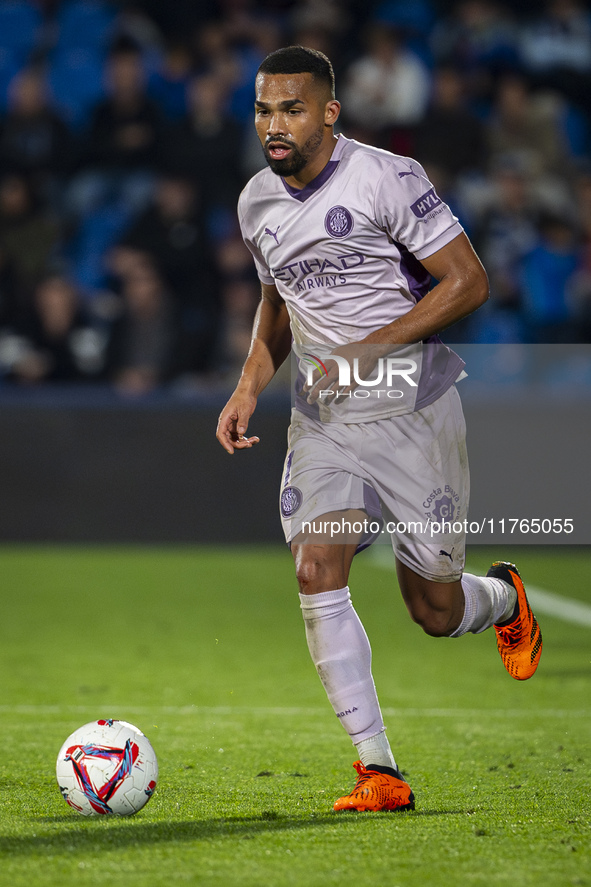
x: 377, y: 788
x: 520, y: 640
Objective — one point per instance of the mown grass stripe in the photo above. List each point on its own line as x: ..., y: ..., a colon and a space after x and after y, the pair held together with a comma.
x: 565, y: 608
x: 285, y: 711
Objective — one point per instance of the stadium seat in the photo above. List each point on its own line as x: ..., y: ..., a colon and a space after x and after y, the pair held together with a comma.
x: 85, y: 23
x: 99, y: 231
x: 20, y: 24
x: 76, y: 82
x: 11, y: 62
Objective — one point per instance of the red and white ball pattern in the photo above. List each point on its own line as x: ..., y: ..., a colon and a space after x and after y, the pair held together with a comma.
x: 107, y: 767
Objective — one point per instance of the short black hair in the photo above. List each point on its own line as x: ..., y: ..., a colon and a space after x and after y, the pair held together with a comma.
x: 300, y: 60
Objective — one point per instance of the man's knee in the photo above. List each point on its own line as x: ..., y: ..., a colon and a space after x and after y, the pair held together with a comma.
x: 310, y: 570
x: 437, y: 622
x: 321, y: 567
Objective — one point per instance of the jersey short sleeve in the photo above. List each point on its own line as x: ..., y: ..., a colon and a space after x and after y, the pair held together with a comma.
x: 410, y: 210
x: 263, y: 272
x: 261, y: 266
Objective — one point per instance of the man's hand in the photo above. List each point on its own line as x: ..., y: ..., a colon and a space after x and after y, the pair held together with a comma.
x: 233, y: 423
x: 361, y: 359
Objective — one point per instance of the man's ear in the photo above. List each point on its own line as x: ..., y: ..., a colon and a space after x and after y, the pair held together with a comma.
x: 331, y: 112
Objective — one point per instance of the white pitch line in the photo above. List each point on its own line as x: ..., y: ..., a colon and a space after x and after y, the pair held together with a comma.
x: 280, y: 711
x: 566, y: 608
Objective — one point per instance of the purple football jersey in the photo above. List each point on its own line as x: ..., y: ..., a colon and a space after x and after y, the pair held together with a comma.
x: 344, y: 255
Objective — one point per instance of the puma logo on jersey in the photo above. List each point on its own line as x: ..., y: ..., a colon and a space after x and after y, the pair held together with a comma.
x: 273, y: 234
x: 408, y: 172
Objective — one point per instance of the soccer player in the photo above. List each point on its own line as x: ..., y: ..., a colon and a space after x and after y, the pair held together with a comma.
x: 346, y: 239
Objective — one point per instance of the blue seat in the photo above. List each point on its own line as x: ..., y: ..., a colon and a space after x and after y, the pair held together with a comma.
x: 76, y: 82
x: 20, y: 25
x: 98, y: 232
x: 85, y: 23
x: 11, y: 62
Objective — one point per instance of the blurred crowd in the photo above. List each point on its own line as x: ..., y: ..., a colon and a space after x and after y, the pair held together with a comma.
x: 126, y: 136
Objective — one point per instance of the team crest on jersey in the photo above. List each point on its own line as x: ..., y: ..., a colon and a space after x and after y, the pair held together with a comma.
x: 291, y: 499
x: 338, y: 222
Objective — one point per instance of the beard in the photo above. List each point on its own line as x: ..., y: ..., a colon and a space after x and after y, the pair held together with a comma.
x: 299, y: 157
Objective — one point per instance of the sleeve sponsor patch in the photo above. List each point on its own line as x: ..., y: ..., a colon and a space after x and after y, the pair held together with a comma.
x: 426, y: 203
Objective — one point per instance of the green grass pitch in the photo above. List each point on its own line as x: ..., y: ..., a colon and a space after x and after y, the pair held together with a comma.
x: 204, y: 650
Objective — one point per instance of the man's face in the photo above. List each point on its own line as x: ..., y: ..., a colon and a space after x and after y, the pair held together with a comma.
x: 291, y: 120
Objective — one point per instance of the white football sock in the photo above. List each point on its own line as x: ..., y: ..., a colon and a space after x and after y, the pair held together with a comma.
x: 376, y: 750
x: 340, y: 650
x: 487, y: 601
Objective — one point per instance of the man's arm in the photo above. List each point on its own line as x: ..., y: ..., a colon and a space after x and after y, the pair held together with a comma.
x: 270, y: 345
x: 462, y: 288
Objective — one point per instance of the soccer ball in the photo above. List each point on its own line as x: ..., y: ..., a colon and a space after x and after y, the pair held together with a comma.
x: 107, y: 767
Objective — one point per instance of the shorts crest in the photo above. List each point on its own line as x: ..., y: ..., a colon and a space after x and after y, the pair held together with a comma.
x: 291, y: 499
